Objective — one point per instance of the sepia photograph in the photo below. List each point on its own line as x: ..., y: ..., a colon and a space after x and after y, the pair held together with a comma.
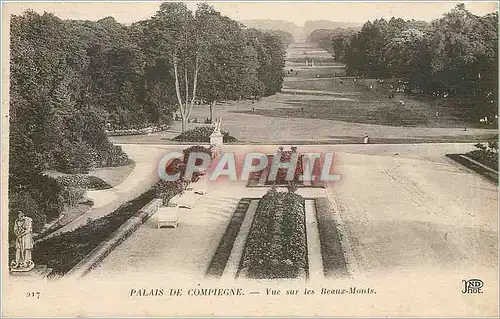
x: 250, y: 159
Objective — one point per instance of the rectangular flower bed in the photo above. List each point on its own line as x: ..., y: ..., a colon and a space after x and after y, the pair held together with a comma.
x: 276, y: 246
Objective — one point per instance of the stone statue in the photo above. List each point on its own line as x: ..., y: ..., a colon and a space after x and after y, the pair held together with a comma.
x: 217, y: 125
x: 24, y: 243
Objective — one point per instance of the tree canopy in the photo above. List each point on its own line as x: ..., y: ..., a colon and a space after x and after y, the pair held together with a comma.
x: 70, y: 80
x: 456, y: 54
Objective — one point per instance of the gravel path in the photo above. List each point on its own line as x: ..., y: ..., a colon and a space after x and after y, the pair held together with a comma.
x: 313, y: 244
x: 239, y: 244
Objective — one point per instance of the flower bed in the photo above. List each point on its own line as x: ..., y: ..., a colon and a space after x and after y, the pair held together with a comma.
x: 141, y: 131
x: 486, y: 154
x: 281, y: 175
x: 334, y: 264
x: 202, y: 134
x: 276, y: 246
x: 487, y: 158
x: 221, y: 256
x: 254, y: 177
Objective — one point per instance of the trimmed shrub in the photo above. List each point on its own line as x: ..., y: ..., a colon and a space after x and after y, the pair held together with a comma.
x: 72, y: 195
x: 83, y: 181
x: 202, y: 134
x: 74, y: 157
x: 40, y: 200
x: 168, y: 189
x: 112, y: 156
x: 26, y: 201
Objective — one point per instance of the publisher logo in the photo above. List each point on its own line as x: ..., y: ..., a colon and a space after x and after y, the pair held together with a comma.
x: 472, y: 286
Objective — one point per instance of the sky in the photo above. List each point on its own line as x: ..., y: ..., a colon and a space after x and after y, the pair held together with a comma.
x: 297, y: 12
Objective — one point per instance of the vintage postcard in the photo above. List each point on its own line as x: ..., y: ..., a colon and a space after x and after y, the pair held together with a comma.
x: 250, y: 159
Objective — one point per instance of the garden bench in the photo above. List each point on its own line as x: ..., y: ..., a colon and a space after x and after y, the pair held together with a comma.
x: 167, y: 216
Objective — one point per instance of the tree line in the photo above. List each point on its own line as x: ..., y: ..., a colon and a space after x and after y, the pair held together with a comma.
x: 456, y: 55
x: 70, y: 80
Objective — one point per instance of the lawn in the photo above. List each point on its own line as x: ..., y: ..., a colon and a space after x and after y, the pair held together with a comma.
x: 357, y: 103
x: 113, y: 175
x: 310, y: 73
x: 330, y: 112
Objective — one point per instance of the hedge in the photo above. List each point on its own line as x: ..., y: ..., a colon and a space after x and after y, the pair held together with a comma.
x: 221, y: 256
x: 334, y: 264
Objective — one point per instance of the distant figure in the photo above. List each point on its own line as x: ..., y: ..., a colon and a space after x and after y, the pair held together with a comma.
x: 354, y: 79
x: 317, y: 75
x: 302, y: 109
x: 371, y: 87
x: 253, y: 109
x: 296, y: 72
x: 341, y: 81
x: 437, y: 113
x: 401, y: 103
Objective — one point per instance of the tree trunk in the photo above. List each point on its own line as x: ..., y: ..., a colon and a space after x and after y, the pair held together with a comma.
x: 184, y: 123
x: 195, y: 83
x: 212, y: 106
x: 185, y: 107
x: 178, y: 93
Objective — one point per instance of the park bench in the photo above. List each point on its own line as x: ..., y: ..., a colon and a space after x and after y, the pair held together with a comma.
x: 167, y: 217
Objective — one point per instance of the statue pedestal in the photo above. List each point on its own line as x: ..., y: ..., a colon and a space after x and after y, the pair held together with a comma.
x: 36, y: 273
x: 24, y: 269
x: 217, y: 142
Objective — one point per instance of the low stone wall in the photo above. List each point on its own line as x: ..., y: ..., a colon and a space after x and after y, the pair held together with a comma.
x: 97, y: 255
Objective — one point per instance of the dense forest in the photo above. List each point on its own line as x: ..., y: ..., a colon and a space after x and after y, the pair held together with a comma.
x: 456, y: 55
x: 71, y: 80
